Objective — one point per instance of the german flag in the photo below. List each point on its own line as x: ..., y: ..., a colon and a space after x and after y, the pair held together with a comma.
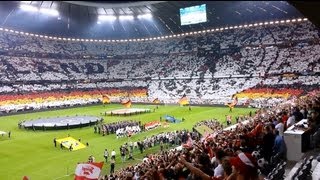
x: 233, y: 103
x: 183, y: 101
x: 156, y: 101
x: 126, y: 103
x: 105, y: 99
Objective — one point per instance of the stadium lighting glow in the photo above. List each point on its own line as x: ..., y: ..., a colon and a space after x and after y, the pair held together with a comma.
x: 208, y: 30
x: 182, y: 34
x: 271, y: 22
x: 91, y: 40
x: 203, y: 31
x: 100, y: 40
x: 293, y: 20
x: 250, y: 25
x: 174, y: 35
x: 144, y: 16
x: 106, y: 18
x: 288, y: 20
x: 54, y: 37
x: 166, y: 37
x: 187, y: 33
x: 31, y: 34
x: 17, y: 32
x: 21, y: 32
x: 260, y: 24
x: 191, y: 33
x: 235, y: 27
x: 255, y: 24
x: 265, y: 23
x: 240, y: 26
x: 104, y: 40
x: 305, y: 19
x: 217, y: 29
x: 95, y: 40
x: 50, y: 12
x: 1, y: 29
x: 169, y: 36
x: 127, y: 17
x: 195, y: 32
x: 29, y: 8
x: 46, y: 37
x: 41, y: 36
x: 11, y: 30
x: 109, y: 40
x: 130, y: 40
x: 277, y: 22
x: 98, y: 22
x: 178, y: 35
x: 282, y: 21
x: 134, y: 40
x: 299, y: 19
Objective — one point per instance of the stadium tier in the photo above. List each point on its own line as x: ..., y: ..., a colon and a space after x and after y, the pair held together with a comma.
x: 209, y: 68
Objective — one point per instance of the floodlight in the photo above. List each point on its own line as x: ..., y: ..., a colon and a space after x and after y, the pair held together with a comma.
x: 51, y: 12
x: 144, y: 16
x: 29, y: 8
x: 126, y: 17
x: 106, y: 18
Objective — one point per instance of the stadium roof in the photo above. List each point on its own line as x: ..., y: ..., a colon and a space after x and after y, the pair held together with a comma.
x: 79, y: 19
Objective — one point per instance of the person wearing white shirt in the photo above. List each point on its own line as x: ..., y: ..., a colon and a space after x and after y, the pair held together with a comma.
x: 291, y: 120
x: 113, y: 154
x: 280, y: 127
x: 219, y: 171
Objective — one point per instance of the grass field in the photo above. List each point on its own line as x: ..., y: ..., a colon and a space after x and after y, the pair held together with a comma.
x: 33, y: 153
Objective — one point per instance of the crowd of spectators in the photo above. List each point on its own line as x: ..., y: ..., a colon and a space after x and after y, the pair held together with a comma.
x: 248, y: 150
x: 208, y: 67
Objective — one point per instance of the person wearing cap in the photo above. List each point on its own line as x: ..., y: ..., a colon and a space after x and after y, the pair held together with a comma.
x: 244, y: 167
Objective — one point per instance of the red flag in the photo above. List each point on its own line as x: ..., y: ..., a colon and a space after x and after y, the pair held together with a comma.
x: 88, y: 171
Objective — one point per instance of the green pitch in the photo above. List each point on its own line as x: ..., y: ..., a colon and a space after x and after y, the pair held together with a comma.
x: 33, y: 153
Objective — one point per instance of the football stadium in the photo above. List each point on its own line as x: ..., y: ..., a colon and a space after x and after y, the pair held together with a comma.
x: 154, y: 90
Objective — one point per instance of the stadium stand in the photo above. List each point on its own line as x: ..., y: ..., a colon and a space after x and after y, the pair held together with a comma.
x: 209, y: 68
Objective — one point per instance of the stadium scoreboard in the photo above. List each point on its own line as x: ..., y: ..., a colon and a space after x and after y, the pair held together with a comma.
x: 193, y: 15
